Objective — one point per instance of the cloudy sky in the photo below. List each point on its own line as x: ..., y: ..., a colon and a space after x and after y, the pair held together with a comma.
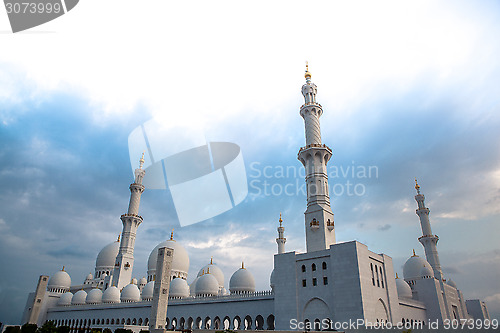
x: 409, y: 89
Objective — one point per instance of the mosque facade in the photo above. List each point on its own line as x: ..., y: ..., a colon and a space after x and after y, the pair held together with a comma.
x: 330, y: 284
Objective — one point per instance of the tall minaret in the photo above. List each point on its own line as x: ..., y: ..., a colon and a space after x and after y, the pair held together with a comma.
x: 428, y: 240
x: 124, y: 263
x: 281, y: 240
x: 320, y: 229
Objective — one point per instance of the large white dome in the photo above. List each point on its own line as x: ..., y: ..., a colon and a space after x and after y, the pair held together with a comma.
x: 79, y: 297
x: 60, y: 280
x: 94, y: 296
x: 215, y: 271
x: 413, y: 267
x: 207, y: 285
x: 179, y: 288
x: 426, y: 272
x: 242, y: 281
x: 180, y: 262
x: 131, y: 293
x: 107, y: 257
x: 403, y: 288
x: 111, y: 295
x: 65, y: 299
x: 147, y: 291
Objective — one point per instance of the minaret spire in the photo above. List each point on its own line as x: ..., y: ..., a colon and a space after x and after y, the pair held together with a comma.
x: 281, y: 240
x: 320, y: 228
x: 428, y: 240
x: 124, y: 263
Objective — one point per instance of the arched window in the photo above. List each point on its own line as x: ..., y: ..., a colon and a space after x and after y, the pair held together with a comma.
x: 324, y: 265
x: 313, y: 267
x: 303, y: 268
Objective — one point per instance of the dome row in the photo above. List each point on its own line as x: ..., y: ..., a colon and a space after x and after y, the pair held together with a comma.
x: 130, y: 293
x: 207, y: 284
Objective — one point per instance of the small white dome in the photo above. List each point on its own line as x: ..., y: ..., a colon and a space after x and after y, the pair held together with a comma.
x: 242, y: 281
x: 94, y: 296
x: 215, y: 271
x: 79, y: 297
x: 223, y: 291
x: 111, y: 295
x: 143, y: 281
x: 179, y: 288
x: 65, y: 299
x: 89, y: 277
x: 180, y: 262
x: 426, y: 272
x: 413, y: 267
x: 403, y: 288
x: 192, y: 287
x: 147, y: 291
x: 452, y: 283
x: 271, y: 280
x: 134, y: 281
x: 107, y: 257
x: 60, y: 280
x: 207, y: 285
x: 131, y: 293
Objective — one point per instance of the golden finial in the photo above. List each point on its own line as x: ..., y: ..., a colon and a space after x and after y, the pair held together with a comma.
x: 62, y: 269
x: 414, y: 255
x: 202, y: 272
x: 118, y: 238
x: 141, y: 161
x: 211, y: 260
x: 242, y: 265
x: 281, y: 221
x: 172, y: 235
x: 417, y: 187
x: 397, y: 277
x: 307, y: 75
x: 208, y: 270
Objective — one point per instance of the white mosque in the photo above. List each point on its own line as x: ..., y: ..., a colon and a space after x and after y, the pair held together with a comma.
x: 329, y: 285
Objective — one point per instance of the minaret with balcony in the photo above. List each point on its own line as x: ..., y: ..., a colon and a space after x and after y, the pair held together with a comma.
x: 428, y: 240
x: 281, y: 240
x: 320, y: 228
x: 124, y: 264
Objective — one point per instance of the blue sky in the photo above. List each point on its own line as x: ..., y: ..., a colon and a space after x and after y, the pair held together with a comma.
x: 410, y: 89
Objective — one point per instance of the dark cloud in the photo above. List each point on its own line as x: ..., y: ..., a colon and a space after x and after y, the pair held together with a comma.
x: 384, y: 227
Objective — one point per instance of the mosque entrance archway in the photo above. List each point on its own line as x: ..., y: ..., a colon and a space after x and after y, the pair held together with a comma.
x: 217, y: 323
x: 237, y: 323
x: 226, y: 323
x: 259, y: 322
x: 208, y: 323
x: 314, y: 309
x: 248, y: 322
x: 381, y: 311
x: 270, y: 322
x: 317, y: 324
